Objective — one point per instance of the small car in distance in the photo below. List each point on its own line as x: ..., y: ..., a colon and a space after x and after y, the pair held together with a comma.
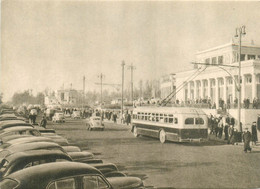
x: 76, y: 115
x: 58, y: 117
x: 94, y: 122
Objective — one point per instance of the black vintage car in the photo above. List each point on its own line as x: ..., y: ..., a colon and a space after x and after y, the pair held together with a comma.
x: 13, y: 123
x: 20, y: 156
x: 60, y: 175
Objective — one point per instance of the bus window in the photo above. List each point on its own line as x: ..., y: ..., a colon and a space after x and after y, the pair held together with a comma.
x: 199, y: 121
x: 165, y: 119
x: 138, y: 115
x: 157, y: 117
x: 145, y: 116
x: 142, y: 116
x: 189, y: 121
x: 176, y: 120
x: 153, y: 117
x: 171, y: 120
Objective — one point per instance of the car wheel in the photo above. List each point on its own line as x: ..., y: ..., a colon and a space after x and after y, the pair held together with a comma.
x: 135, y: 132
x: 162, y: 136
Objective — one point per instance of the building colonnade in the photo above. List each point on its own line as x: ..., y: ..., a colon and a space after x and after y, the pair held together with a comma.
x: 225, y: 88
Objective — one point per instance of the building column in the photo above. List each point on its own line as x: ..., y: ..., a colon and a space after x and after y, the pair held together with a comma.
x: 195, y: 89
x: 217, y: 93
x: 189, y: 92
x: 254, y: 95
x: 201, y: 89
x: 225, y: 90
x: 209, y: 88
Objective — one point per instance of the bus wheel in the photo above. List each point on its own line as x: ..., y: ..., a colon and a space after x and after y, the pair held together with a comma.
x: 162, y: 136
x: 135, y: 132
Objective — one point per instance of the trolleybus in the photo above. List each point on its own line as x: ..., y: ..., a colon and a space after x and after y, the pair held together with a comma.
x: 176, y: 124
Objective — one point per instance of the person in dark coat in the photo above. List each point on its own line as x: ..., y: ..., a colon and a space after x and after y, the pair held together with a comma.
x: 226, y: 131
x: 254, y: 133
x: 247, y: 138
x: 114, y: 117
x: 43, y: 122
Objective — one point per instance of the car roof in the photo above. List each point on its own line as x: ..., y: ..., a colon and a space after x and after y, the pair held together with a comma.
x: 7, y: 115
x: 29, y: 139
x: 39, y: 176
x: 2, y: 123
x: 32, y: 146
x: 20, y: 128
x: 6, y: 139
x: 34, y: 155
x: 12, y: 123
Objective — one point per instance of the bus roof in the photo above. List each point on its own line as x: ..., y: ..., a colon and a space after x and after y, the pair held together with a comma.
x: 170, y: 110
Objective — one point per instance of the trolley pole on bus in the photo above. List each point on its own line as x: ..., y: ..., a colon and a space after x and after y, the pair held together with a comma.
x: 239, y: 32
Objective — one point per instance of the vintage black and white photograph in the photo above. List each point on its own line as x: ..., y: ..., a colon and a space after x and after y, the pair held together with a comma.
x: 129, y: 94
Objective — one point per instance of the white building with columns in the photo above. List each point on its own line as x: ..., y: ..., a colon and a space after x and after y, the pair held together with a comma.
x: 216, y: 82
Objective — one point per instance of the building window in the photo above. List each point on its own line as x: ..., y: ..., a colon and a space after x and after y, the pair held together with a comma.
x: 207, y: 61
x: 258, y: 56
x: 248, y: 80
x: 251, y: 57
x: 214, y: 60
x: 220, y: 60
x: 230, y: 81
x: 242, y: 57
x: 213, y: 83
x: 221, y: 82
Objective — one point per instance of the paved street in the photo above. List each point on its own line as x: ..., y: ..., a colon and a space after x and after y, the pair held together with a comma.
x: 171, y: 165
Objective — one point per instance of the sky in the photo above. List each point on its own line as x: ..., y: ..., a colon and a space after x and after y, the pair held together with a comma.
x: 48, y: 44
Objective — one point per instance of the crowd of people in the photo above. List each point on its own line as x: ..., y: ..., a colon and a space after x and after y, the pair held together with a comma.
x: 225, y: 125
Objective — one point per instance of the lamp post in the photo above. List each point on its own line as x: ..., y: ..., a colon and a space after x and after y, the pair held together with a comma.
x: 122, y: 102
x: 240, y: 31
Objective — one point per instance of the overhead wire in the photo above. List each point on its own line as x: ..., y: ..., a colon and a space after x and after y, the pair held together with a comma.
x: 180, y: 86
x: 183, y: 85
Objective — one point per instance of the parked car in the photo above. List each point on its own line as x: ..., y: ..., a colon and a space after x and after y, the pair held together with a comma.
x: 28, y: 139
x: 22, y: 130
x: 13, y: 123
x: 19, y: 156
x: 75, y: 115
x: 61, y: 175
x: 58, y: 117
x: 94, y: 122
x: 22, y: 160
x: 25, y: 131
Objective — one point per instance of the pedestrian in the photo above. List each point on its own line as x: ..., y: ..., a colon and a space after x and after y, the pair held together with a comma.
x: 231, y: 135
x: 43, y: 122
x: 114, y: 117
x: 254, y: 133
x: 226, y: 131
x: 220, y: 128
x: 247, y: 138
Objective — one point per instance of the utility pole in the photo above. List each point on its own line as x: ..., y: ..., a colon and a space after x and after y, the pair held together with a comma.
x: 132, y: 83
x: 122, y: 102
x: 239, y: 32
x: 83, y: 93
x: 101, y: 80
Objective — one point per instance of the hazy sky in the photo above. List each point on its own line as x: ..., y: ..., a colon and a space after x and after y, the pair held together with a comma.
x: 48, y: 43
